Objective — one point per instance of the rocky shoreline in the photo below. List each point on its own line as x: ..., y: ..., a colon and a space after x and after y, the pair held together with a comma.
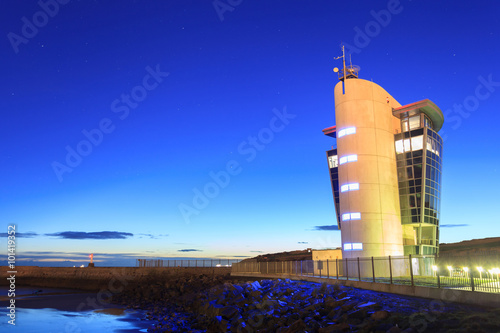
x: 203, y: 303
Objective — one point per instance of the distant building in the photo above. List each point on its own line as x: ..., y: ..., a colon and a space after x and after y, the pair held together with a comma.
x: 327, y: 254
x: 327, y: 261
x: 385, y: 171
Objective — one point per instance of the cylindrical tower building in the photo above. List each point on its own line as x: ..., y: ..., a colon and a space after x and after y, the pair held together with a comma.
x: 369, y: 214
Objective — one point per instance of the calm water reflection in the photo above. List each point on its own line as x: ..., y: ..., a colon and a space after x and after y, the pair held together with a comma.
x: 51, y: 320
x: 38, y: 313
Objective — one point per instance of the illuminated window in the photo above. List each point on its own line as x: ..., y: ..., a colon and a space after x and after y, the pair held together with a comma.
x: 346, y: 131
x: 399, y: 147
x: 414, y: 122
x: 347, y: 246
x: 417, y: 142
x: 406, y: 143
x: 333, y: 161
x: 351, y: 216
x: 405, y: 126
x: 357, y: 246
x: 349, y: 187
x: 348, y: 158
x: 355, y: 216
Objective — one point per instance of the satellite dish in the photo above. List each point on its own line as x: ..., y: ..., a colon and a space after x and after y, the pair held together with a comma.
x: 335, y: 69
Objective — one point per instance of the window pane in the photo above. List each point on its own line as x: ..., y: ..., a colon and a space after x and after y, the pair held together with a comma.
x: 414, y: 122
x: 357, y: 246
x: 355, y: 216
x: 409, y: 172
x: 406, y: 143
x: 333, y: 161
x: 417, y: 142
x: 399, y: 147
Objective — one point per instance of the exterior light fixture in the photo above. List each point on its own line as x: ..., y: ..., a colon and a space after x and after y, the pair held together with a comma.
x: 450, y: 269
x: 466, y: 270
x: 480, y: 269
x: 434, y: 268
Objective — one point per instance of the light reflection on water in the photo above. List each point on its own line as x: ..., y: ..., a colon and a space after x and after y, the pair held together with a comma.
x: 56, y: 321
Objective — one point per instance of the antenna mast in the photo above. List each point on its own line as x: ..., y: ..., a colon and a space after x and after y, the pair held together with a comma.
x: 347, y: 72
x: 343, y: 63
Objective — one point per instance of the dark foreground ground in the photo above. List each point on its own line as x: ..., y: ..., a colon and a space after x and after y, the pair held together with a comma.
x: 207, y: 303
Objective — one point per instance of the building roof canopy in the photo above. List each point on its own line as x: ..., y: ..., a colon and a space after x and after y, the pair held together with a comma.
x: 425, y: 106
x: 331, y: 132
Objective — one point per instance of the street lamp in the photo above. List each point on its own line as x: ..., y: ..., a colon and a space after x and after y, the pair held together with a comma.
x: 496, y: 271
x: 449, y: 268
x: 466, y: 270
x: 434, y: 268
x: 480, y: 269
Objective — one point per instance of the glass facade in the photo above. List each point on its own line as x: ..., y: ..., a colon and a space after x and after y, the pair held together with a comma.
x: 418, y: 156
x: 333, y: 165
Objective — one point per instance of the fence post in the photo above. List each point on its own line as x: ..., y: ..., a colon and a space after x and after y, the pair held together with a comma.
x: 327, y: 269
x: 439, y: 282
x: 337, y: 267
x: 390, y: 268
x: 211, y: 263
x: 267, y: 267
x: 346, y: 269
x: 411, y: 270
x: 301, y: 268
x: 359, y: 271
x: 320, y: 263
x: 472, y: 279
x: 373, y: 269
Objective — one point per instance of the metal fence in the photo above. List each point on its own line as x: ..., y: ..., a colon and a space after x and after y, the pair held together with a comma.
x: 186, y: 262
x: 404, y: 270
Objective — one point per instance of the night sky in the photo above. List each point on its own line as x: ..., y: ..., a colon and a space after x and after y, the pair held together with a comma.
x: 135, y: 129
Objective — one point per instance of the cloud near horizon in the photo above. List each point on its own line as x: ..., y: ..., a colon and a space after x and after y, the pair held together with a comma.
x: 332, y: 227
x: 28, y: 234
x: 189, y: 250
x: 453, y: 225
x: 91, y: 235
x: 151, y: 236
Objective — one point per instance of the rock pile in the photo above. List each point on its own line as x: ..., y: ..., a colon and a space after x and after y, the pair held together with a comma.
x: 207, y: 304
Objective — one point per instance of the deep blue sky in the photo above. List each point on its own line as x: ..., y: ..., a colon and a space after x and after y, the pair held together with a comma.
x: 231, y: 70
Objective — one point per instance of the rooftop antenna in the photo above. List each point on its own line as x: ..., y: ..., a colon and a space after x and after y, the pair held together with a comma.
x: 347, y: 72
x: 336, y: 70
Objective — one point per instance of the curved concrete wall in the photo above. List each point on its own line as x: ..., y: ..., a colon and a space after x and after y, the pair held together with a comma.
x: 368, y: 107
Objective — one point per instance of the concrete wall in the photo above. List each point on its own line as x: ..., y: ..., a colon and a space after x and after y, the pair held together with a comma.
x: 368, y: 107
x: 98, y: 278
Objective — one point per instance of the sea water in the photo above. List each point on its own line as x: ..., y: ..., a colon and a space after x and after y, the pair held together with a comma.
x: 52, y: 320
x: 63, y: 321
